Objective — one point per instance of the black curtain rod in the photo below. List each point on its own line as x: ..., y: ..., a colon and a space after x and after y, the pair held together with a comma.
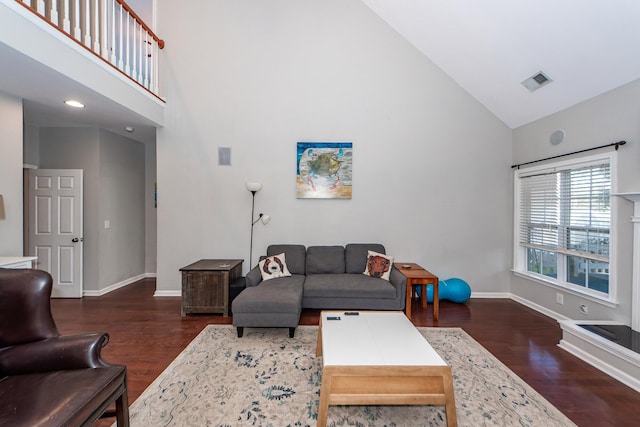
x: 616, y: 144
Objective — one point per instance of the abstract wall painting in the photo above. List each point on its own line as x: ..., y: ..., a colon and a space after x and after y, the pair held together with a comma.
x: 324, y: 170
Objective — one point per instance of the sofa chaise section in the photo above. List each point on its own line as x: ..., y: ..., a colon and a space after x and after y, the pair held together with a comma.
x: 273, y: 303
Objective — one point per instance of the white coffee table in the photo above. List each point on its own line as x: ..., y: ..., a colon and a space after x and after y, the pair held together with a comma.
x: 380, y: 358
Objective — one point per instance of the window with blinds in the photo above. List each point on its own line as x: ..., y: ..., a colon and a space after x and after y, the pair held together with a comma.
x: 564, y: 223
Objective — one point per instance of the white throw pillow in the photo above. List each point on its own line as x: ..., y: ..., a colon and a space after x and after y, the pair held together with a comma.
x: 274, y: 266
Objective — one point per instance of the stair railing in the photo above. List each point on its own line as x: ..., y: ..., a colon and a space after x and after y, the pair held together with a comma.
x: 109, y: 29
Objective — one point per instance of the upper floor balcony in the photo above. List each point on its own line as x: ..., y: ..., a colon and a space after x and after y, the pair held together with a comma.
x: 100, y: 51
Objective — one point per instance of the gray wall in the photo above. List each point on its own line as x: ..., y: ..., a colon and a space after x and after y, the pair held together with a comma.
x: 150, y: 222
x: 114, y: 190
x: 31, y: 145
x: 431, y: 169
x: 122, y: 203
x: 78, y: 148
x: 608, y: 118
x: 11, y: 243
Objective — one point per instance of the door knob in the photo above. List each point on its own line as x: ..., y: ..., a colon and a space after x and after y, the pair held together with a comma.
x: 76, y: 240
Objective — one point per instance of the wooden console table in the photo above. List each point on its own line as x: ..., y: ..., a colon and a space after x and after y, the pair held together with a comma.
x: 205, y: 285
x: 417, y: 275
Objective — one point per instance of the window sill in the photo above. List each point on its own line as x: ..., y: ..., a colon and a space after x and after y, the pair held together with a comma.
x: 555, y: 285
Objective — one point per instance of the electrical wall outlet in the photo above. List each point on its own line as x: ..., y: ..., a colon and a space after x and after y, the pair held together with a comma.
x: 107, y: 224
x: 559, y: 298
x: 584, y: 309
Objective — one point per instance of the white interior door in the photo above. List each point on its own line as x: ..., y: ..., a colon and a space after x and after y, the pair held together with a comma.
x: 55, y: 227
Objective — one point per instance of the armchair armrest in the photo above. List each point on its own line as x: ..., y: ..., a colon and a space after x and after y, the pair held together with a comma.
x: 76, y: 351
x: 254, y: 277
x: 398, y: 280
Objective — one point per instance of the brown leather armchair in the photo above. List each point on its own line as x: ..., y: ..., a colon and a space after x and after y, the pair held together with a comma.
x: 47, y: 379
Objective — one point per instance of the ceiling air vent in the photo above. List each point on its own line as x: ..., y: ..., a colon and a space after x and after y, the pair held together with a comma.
x: 536, y: 81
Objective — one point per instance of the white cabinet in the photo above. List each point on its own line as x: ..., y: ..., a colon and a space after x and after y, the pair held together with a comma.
x: 17, y: 261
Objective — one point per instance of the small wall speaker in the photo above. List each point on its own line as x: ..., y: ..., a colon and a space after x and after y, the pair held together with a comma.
x: 556, y: 137
x: 224, y: 156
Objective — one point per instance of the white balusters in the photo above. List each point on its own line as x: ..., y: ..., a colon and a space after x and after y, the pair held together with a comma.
x: 66, y: 13
x: 75, y: 19
x: 103, y: 16
x: 86, y: 22
x: 51, y: 11
x: 118, y: 29
x: 108, y: 29
x: 112, y: 32
x: 95, y: 25
x: 146, y: 59
x: 136, y: 50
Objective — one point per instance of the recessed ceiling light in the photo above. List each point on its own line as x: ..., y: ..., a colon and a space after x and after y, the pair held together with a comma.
x: 129, y: 129
x: 74, y: 103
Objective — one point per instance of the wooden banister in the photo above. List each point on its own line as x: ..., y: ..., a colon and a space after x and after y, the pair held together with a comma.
x: 109, y: 29
x: 142, y: 23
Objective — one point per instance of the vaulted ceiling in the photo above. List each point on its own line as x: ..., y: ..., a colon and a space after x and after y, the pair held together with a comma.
x: 586, y: 47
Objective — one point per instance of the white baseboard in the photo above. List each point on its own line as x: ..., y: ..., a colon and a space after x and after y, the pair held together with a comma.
x: 167, y: 294
x: 490, y: 295
x: 539, y: 308
x: 613, y: 372
x: 520, y: 300
x: 115, y: 286
x: 616, y: 361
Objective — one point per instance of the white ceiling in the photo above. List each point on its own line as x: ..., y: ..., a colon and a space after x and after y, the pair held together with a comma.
x: 488, y: 47
x: 43, y: 91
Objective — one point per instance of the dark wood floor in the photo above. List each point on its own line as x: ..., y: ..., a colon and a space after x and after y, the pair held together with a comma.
x: 147, y: 333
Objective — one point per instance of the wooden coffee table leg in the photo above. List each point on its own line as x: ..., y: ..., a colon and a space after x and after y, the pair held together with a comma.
x: 325, y: 390
x: 450, y: 402
x: 319, y: 341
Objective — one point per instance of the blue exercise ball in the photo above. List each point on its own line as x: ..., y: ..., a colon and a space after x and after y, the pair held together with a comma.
x: 454, y: 290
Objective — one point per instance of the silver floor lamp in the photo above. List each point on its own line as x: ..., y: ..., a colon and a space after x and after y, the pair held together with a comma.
x: 254, y: 187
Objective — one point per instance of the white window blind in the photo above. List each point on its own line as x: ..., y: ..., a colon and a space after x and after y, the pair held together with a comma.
x: 568, y: 211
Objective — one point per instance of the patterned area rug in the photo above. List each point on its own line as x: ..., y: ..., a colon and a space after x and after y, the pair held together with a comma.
x: 267, y: 379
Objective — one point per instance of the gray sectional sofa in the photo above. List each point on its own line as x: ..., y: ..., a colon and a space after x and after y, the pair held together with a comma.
x: 322, y: 277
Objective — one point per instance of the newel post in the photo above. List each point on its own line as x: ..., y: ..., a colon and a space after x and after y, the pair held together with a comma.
x: 635, y: 293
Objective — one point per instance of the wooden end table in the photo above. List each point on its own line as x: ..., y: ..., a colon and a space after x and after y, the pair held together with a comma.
x: 205, y: 285
x: 418, y: 276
